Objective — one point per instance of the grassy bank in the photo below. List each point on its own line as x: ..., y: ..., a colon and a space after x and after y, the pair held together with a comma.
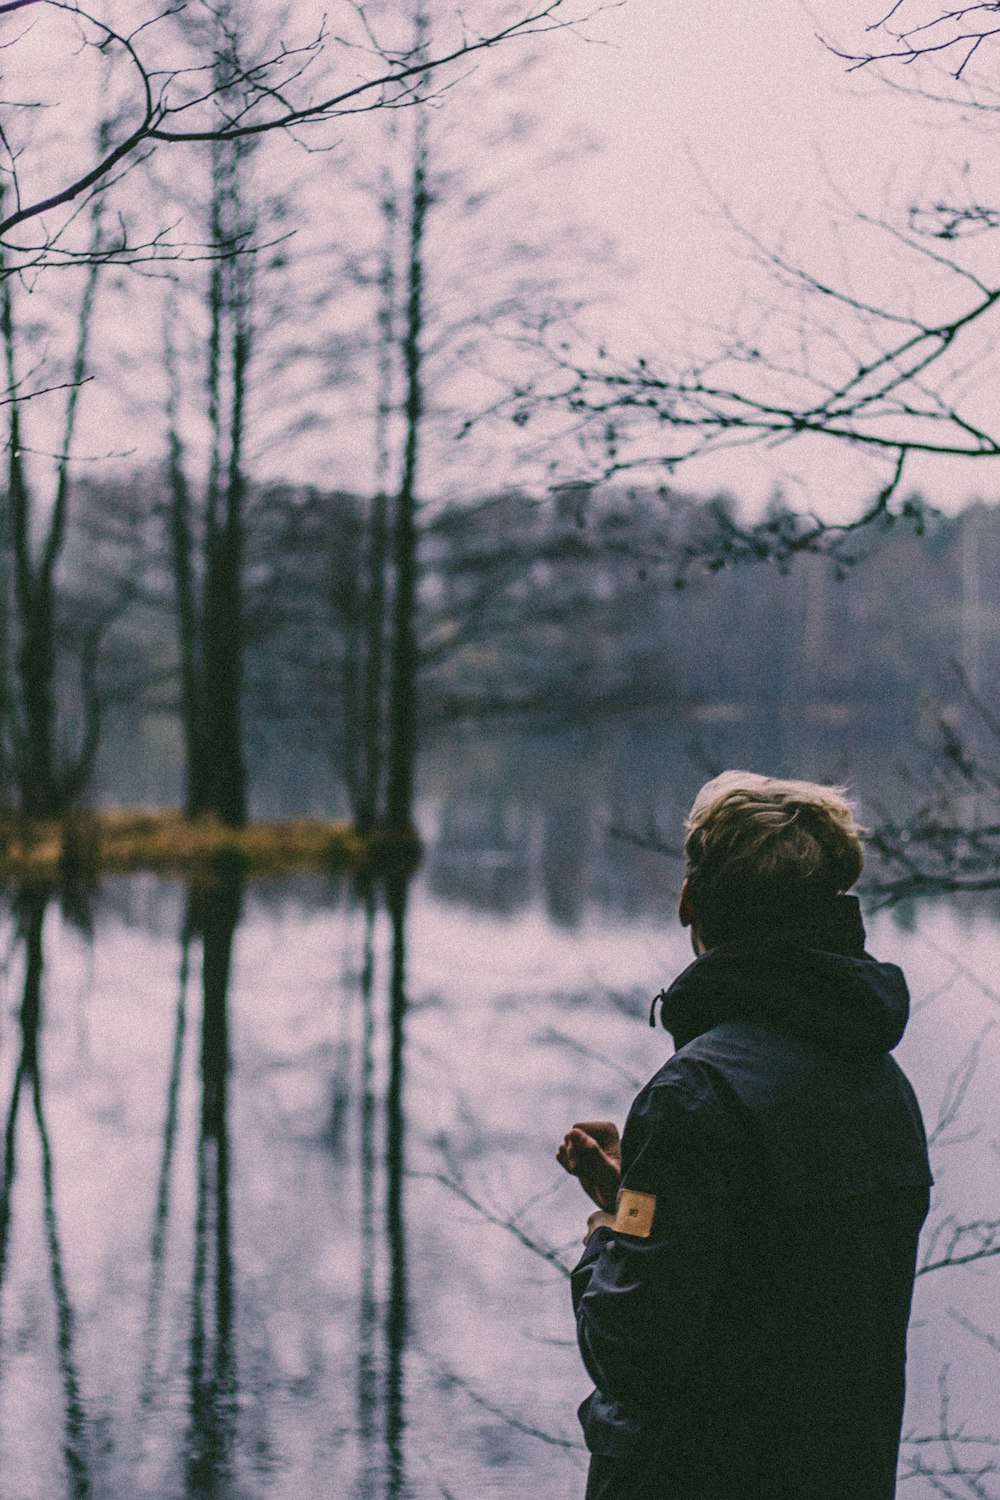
x: 87, y: 844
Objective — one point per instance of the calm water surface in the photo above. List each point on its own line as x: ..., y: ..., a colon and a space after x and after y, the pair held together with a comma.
x: 280, y: 1214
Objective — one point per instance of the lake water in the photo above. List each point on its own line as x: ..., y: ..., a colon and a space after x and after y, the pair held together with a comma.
x: 280, y: 1212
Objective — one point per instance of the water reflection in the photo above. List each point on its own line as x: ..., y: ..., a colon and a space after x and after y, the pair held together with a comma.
x: 483, y: 852
x: 367, y: 1398
x: 525, y: 817
x: 397, y: 1307
x: 204, y: 1292
x: 381, y: 1374
x: 158, y: 1245
x: 173, y: 1385
x: 30, y: 909
x: 210, y: 918
x: 213, y: 914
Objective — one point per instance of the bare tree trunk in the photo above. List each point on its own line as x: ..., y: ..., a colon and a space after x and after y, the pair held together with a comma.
x: 223, y: 611
x: 404, y: 650
x: 398, y: 1317
x: 376, y: 591
x: 6, y: 546
x: 6, y: 697
x: 35, y: 664
x: 209, y: 598
x: 185, y: 599
x: 44, y: 785
x: 212, y: 1371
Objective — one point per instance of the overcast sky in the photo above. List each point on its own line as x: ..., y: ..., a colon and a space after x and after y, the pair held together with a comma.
x: 745, y: 94
x: 689, y: 106
x: 697, y: 102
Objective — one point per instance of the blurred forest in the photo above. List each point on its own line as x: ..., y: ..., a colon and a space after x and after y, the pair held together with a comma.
x: 205, y: 325
x: 531, y: 615
x: 278, y: 514
x: 287, y: 493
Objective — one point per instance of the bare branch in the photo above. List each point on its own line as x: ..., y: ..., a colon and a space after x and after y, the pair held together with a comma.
x: 243, y: 92
x: 455, y: 1186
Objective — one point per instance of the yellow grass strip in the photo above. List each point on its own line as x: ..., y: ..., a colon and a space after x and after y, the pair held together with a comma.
x: 87, y: 844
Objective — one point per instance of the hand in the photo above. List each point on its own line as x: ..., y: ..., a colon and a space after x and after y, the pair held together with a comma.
x: 596, y: 1220
x: 592, y: 1152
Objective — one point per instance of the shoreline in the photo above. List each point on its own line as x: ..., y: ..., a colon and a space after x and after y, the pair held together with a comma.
x: 86, y: 844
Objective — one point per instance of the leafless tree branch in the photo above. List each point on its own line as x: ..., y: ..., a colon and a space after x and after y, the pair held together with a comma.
x: 252, y: 99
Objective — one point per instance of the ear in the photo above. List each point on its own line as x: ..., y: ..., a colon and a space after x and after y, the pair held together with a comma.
x: 685, y: 907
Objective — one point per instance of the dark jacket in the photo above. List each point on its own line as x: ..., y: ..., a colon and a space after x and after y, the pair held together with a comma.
x: 750, y: 1342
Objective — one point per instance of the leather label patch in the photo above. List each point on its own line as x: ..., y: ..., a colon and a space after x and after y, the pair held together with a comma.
x: 635, y: 1213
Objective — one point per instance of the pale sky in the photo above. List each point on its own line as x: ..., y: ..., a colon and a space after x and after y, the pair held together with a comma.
x: 690, y: 106
x: 745, y: 93
x: 743, y: 103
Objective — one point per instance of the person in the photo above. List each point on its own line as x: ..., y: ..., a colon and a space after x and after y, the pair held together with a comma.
x: 743, y: 1298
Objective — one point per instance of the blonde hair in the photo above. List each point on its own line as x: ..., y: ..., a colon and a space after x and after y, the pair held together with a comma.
x: 763, y: 852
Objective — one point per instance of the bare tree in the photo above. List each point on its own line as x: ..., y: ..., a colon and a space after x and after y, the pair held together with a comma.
x: 889, y: 356
x: 907, y: 32
x: 444, y: 345
x: 897, y: 368
x: 365, y: 702
x: 402, y: 736
x: 194, y: 75
x: 168, y: 95
x: 51, y: 765
x: 207, y: 543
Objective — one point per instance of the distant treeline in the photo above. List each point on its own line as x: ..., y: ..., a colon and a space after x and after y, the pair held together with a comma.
x: 571, y: 609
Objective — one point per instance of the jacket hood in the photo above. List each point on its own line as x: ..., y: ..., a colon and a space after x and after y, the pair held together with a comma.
x: 819, y: 985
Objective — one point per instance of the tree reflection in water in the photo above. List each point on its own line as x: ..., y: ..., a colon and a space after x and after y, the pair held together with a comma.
x: 30, y: 907
x: 158, y: 1245
x: 204, y: 1292
x: 194, y: 1425
x: 367, y: 1397
x: 213, y: 913
x: 385, y: 1396
x: 397, y: 1308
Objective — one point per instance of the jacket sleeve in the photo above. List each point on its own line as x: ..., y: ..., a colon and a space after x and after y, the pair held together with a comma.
x: 642, y: 1300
